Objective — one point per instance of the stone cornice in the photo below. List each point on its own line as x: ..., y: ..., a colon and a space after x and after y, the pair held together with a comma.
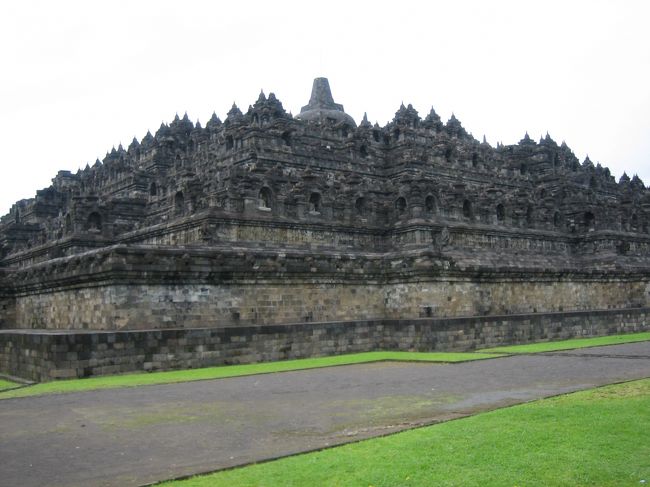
x: 121, y: 264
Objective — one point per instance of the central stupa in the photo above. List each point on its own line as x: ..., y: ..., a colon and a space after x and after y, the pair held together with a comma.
x: 321, y: 106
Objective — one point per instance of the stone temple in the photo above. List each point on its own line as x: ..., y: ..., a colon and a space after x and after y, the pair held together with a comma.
x: 268, y: 236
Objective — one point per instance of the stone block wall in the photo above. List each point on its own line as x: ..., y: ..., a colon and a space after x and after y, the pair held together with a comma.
x: 138, y: 306
x: 463, y: 297
x: 7, y: 312
x: 190, y: 306
x: 46, y: 355
x: 293, y: 234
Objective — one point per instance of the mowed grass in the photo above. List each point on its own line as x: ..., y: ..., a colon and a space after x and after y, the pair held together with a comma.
x: 570, y: 344
x: 8, y: 389
x: 221, y: 372
x: 597, y: 437
x: 6, y: 384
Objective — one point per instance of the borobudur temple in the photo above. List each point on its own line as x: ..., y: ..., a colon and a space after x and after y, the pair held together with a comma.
x: 268, y: 236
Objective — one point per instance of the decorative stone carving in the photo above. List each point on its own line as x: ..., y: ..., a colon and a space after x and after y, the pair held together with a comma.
x: 269, y: 218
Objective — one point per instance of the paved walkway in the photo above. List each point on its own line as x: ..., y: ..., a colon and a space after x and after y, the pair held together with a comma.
x: 130, y: 437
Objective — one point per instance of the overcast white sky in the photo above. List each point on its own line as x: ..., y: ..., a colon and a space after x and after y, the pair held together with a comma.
x: 78, y: 77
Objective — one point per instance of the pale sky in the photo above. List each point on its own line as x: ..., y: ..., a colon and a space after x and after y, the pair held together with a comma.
x: 79, y: 77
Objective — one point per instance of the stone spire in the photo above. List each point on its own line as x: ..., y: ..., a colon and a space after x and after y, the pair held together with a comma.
x: 133, y: 145
x: 214, y: 122
x: 162, y: 131
x: 454, y: 128
x: 432, y: 121
x: 365, y: 123
x: 148, y: 139
x: 406, y: 116
x: 636, y: 181
x: 197, y: 128
x: 321, y: 105
x: 321, y: 96
x: 234, y: 115
x: 527, y: 140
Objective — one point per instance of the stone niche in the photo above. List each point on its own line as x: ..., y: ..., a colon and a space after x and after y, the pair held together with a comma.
x: 8, y: 313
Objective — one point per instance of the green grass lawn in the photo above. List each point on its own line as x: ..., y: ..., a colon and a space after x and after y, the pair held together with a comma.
x: 597, y: 437
x: 571, y: 344
x: 5, y: 384
x: 140, y: 379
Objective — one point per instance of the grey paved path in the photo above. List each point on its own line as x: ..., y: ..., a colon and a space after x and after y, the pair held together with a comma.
x: 129, y: 437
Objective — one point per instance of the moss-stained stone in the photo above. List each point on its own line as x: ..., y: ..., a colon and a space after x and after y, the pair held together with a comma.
x: 47, y: 355
x: 268, y: 219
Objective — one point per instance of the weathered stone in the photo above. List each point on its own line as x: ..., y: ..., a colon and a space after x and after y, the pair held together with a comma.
x: 267, y: 219
x: 281, y: 342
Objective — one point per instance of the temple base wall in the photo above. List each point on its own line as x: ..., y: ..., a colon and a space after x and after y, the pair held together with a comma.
x: 509, y: 296
x: 43, y: 355
x: 7, y: 312
x: 190, y: 306
x: 157, y: 306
